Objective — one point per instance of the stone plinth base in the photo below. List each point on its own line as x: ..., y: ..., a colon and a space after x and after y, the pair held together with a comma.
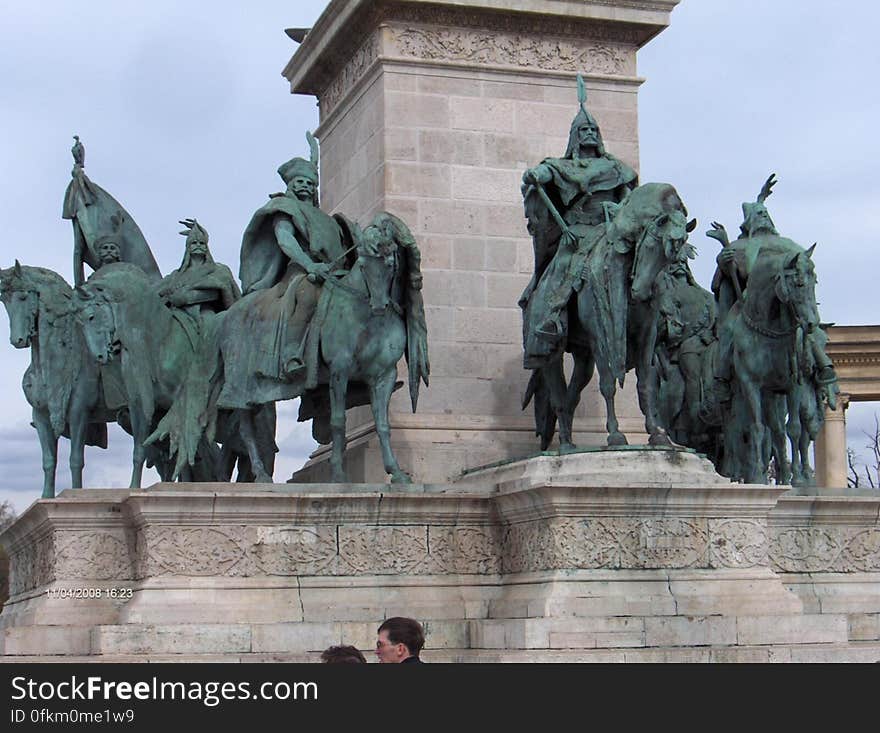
x: 614, y: 555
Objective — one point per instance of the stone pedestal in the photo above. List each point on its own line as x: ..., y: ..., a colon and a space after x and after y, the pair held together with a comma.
x: 432, y: 110
x: 612, y: 555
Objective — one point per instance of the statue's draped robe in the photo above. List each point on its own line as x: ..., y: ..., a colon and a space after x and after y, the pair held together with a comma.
x: 255, y: 340
x: 558, y: 270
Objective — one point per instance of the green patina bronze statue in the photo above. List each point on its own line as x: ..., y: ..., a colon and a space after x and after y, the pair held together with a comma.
x: 599, y: 244
x: 771, y: 374
x: 327, y: 313
x: 103, y: 231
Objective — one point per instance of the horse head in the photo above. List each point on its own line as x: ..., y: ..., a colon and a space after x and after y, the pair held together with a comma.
x: 94, y: 306
x: 21, y: 297
x: 377, y: 253
x: 795, y: 285
x: 663, y: 240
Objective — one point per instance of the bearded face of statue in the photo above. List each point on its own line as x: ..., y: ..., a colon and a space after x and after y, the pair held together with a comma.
x: 588, y: 138
x: 759, y: 221
x: 108, y: 252
x: 303, y: 188
x: 197, y: 245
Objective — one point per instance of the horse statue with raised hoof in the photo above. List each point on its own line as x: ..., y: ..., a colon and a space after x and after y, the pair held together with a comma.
x: 62, y: 382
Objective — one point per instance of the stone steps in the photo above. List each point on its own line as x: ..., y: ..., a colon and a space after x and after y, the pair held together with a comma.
x: 493, y: 638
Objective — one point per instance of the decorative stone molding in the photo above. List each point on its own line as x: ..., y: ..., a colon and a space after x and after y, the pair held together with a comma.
x: 242, y: 551
x: 612, y: 543
x: 737, y: 543
x: 351, y: 74
x: 32, y: 565
x: 827, y: 548
x: 93, y: 555
x: 506, y: 49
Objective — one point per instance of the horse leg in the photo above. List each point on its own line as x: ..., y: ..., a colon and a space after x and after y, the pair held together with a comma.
x: 78, y: 421
x: 794, y: 428
x: 646, y: 386
x: 139, y: 454
x: 809, y: 429
x: 776, y: 422
x: 246, y: 426
x: 754, y: 470
x: 380, y: 396
x: 554, y: 379
x: 338, y: 389
x: 608, y: 388
x: 49, y: 446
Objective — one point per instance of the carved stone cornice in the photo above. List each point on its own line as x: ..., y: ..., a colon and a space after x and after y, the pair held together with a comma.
x: 855, y: 351
x: 594, y: 37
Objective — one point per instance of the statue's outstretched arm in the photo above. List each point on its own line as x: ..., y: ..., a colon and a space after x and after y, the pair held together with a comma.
x: 285, y: 235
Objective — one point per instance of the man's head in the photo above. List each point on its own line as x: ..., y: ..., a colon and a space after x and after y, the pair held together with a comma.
x: 756, y: 220
x: 196, y: 243
x: 398, y: 639
x: 108, y: 250
x: 584, y: 137
x: 301, y: 177
x: 342, y: 655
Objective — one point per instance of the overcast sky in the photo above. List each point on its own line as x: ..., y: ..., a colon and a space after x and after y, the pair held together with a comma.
x: 184, y: 113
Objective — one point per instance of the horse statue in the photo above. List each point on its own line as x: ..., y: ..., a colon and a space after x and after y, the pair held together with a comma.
x: 366, y: 319
x: 124, y: 318
x: 62, y: 382
x: 768, y: 330
x: 646, y: 231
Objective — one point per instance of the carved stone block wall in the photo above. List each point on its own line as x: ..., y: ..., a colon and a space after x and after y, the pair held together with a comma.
x: 826, y: 534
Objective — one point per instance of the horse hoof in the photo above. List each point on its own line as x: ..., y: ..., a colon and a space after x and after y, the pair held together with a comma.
x: 400, y: 477
x: 661, y: 439
x: 617, y: 438
x: 565, y: 448
x: 338, y: 477
x: 48, y: 494
x: 263, y: 478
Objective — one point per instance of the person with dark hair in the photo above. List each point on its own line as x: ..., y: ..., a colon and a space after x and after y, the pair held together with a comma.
x: 400, y: 641
x: 342, y: 655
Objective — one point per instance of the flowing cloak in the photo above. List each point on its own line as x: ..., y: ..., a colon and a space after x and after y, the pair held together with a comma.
x: 556, y: 274
x: 90, y: 208
x: 255, y: 329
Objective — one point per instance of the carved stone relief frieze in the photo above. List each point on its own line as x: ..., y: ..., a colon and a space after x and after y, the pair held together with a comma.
x: 506, y: 49
x: 618, y: 542
x: 32, y: 565
x: 316, y: 550
x: 350, y: 74
x: 828, y: 548
x: 93, y: 555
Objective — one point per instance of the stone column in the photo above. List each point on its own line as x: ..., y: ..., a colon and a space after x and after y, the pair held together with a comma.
x: 830, y: 447
x: 432, y: 110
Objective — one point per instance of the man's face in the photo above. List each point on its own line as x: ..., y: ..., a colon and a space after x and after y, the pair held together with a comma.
x: 388, y: 652
x: 303, y: 188
x: 198, y: 245
x: 760, y: 221
x: 108, y: 252
x: 588, y: 135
